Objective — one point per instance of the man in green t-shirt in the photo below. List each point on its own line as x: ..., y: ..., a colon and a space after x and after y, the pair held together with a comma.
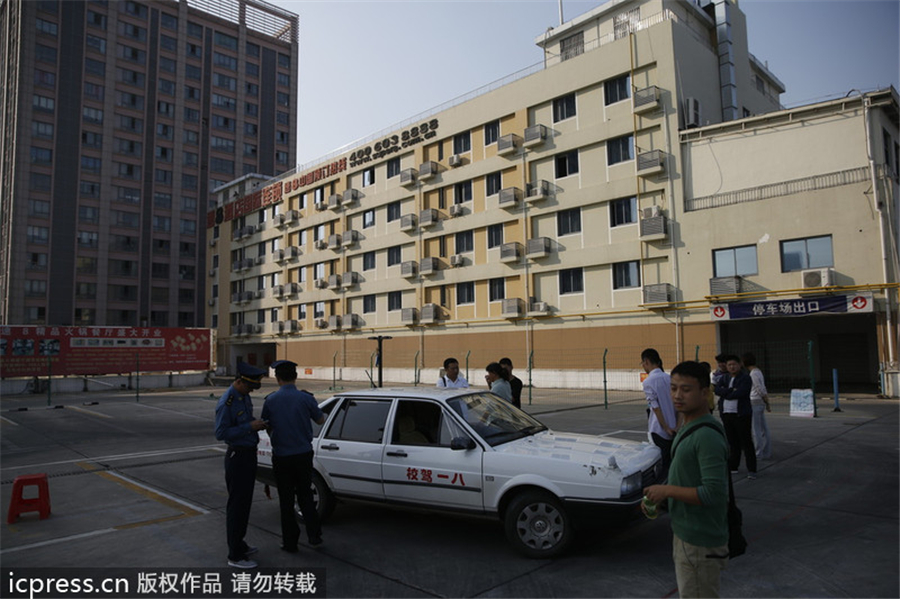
x: 698, y: 487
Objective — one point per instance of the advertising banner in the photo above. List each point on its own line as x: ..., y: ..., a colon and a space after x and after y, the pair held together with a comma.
x: 26, y: 350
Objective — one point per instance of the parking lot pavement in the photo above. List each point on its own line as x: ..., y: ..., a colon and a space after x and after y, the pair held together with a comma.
x: 139, y: 484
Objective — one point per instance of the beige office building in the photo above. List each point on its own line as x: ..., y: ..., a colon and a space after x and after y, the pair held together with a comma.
x: 641, y: 187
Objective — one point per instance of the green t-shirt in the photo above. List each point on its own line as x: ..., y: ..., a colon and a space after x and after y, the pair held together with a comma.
x: 701, y: 461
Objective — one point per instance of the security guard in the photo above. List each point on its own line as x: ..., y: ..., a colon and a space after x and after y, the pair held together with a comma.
x: 236, y: 426
x: 289, y: 412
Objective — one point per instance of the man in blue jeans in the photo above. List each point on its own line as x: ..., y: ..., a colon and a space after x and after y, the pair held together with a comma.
x: 289, y: 413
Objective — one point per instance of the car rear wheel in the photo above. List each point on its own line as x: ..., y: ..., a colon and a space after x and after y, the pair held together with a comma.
x: 322, y: 496
x: 537, y: 525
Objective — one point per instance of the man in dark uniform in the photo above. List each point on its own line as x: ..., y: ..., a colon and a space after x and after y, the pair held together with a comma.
x: 515, y: 383
x: 236, y: 426
x: 289, y: 413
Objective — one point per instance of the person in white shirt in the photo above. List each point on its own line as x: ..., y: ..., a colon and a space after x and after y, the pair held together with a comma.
x: 759, y: 400
x: 451, y: 377
x: 661, y: 421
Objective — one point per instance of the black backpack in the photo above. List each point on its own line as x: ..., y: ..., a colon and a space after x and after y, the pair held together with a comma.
x: 737, y: 544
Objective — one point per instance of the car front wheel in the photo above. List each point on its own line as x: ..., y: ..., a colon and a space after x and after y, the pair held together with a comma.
x: 537, y: 525
x: 322, y: 497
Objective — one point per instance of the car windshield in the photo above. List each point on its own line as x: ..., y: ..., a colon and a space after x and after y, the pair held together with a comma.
x: 494, y: 419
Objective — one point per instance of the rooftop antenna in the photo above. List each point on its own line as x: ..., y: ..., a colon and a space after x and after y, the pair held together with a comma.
x: 560, y: 13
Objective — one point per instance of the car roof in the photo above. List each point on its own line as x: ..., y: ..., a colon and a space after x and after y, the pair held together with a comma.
x: 436, y: 393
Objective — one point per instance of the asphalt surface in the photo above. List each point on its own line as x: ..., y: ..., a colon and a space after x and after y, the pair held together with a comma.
x: 139, y: 485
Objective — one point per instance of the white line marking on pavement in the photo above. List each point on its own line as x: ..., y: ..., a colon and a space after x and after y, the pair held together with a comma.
x: 121, y: 456
x: 5, y: 419
x: 59, y: 540
x: 150, y: 489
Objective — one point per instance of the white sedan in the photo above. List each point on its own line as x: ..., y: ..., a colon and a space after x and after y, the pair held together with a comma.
x: 463, y: 449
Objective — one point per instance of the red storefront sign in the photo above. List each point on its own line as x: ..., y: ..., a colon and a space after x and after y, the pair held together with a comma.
x: 25, y: 350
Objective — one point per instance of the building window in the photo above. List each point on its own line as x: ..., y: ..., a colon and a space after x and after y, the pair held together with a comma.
x: 37, y: 261
x: 393, y: 167
x: 90, y: 164
x: 811, y: 252
x: 464, y: 242
x: 493, y: 183
x: 368, y: 304
x: 43, y: 103
x: 48, y: 79
x: 491, y: 132
x: 369, y: 261
x: 369, y: 218
x: 394, y: 255
x: 566, y: 164
x: 44, y: 157
x: 284, y: 79
x: 735, y: 262
x: 39, y: 208
x: 45, y: 53
x: 252, y: 69
x: 465, y: 293
x: 495, y: 235
x: 162, y: 224
x: 571, y: 280
x: 619, y: 150
x: 496, y: 289
x: 92, y: 115
x: 95, y: 43
x: 572, y: 46
x: 393, y: 211
x: 168, y: 21
x: 622, y: 212
x: 96, y: 19
x: 568, y: 222
x: 564, y: 107
x: 616, y: 90
x: 38, y: 235
x: 626, y: 275
x: 368, y: 177
x: 226, y: 41
x: 462, y: 142
x: 88, y: 239
x: 284, y: 61
x: 395, y: 301
x: 462, y: 192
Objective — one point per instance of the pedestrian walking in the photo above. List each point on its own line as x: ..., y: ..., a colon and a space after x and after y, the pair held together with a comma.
x: 697, y: 489
x: 236, y: 426
x: 289, y: 413
x: 759, y: 401
x: 661, y: 420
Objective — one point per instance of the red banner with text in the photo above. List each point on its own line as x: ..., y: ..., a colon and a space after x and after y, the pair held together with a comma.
x: 56, y: 350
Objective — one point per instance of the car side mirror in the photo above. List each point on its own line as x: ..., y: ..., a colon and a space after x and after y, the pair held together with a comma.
x: 462, y: 443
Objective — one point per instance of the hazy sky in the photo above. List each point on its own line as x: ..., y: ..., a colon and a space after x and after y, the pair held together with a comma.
x: 365, y: 66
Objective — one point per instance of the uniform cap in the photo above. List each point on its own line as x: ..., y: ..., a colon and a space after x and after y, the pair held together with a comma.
x: 251, y: 375
x: 283, y: 364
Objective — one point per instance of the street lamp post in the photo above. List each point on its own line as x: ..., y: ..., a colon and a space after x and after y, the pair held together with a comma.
x: 380, y: 339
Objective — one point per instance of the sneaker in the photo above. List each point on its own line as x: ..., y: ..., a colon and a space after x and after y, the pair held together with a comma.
x: 751, y: 476
x: 244, y: 564
x: 250, y: 550
x: 289, y: 549
x: 314, y: 541
x: 734, y: 471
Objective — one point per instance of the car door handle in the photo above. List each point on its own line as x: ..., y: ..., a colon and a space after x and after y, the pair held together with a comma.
x: 397, y: 454
x: 332, y: 447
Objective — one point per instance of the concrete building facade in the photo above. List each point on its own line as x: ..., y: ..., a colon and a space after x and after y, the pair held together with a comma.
x: 118, y: 121
x: 591, y: 203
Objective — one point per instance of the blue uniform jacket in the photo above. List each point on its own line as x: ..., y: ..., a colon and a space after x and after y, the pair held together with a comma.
x: 234, y: 413
x: 290, y: 413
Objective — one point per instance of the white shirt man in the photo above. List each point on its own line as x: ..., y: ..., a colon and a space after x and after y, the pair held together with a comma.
x: 661, y: 420
x: 452, y: 379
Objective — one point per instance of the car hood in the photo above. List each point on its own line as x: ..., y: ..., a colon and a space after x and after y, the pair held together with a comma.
x: 626, y: 455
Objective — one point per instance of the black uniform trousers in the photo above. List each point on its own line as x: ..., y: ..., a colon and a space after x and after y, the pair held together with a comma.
x: 240, y: 478
x: 739, y: 431
x: 293, y: 475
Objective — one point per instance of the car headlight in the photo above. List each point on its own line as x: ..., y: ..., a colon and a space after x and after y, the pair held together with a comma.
x: 631, y: 484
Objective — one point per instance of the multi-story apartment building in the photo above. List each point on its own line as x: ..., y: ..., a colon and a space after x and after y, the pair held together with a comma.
x: 642, y: 187
x: 118, y: 120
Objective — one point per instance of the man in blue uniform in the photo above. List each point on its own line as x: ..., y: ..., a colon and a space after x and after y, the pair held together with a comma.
x: 289, y: 413
x: 236, y: 426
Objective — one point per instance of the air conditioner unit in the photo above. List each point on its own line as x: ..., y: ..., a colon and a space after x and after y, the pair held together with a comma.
x: 428, y: 169
x: 456, y: 210
x: 334, y: 241
x: 428, y: 217
x: 535, y: 135
x: 457, y: 260
x: 212, y: 242
x: 349, y: 238
x: 511, y: 307
x: 349, y: 279
x: 334, y: 201
x: 408, y: 222
x: 650, y: 212
x: 408, y: 177
x: 334, y: 281
x: 349, y: 196
x: 212, y: 272
x: 291, y: 326
x: 660, y: 293
x: 350, y: 321
x: 409, y: 269
x: 320, y: 206
x: 278, y: 291
x: 211, y: 302
x: 278, y: 327
x: 409, y: 316
x: 540, y: 307
x: 321, y: 283
x: 334, y: 322
x: 431, y: 313
x: 292, y: 288
x: 292, y: 216
x: 280, y: 221
x: 278, y: 255
x: 293, y: 252
x: 321, y: 323
x: 261, y: 259
x: 260, y: 293
x: 691, y: 113
x: 322, y: 244
x: 455, y: 160
x: 817, y: 277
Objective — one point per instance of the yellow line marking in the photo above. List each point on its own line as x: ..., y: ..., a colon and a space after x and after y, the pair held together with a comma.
x: 92, y: 413
x: 186, y: 510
